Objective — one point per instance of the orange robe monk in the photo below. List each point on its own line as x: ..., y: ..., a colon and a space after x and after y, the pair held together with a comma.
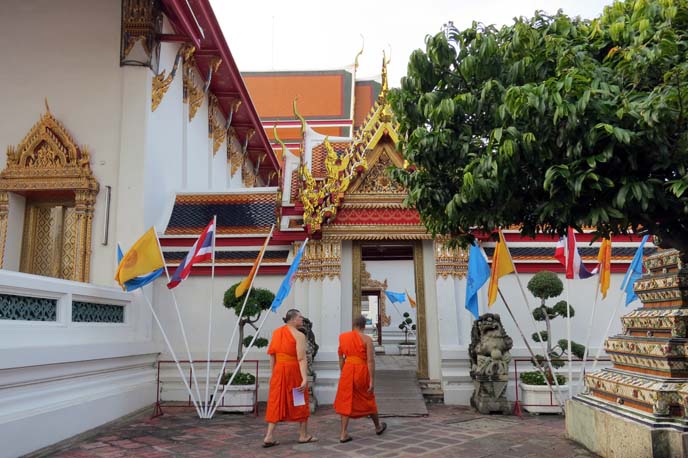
x: 354, y: 398
x: 286, y: 375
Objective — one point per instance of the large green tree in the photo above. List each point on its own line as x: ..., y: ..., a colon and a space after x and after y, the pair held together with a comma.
x: 552, y: 122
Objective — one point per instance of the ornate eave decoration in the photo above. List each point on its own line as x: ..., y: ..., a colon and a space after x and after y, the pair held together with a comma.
x: 320, y: 260
x: 161, y: 82
x: 216, y: 129
x: 140, y: 28
x: 234, y: 155
x: 193, y: 94
x: 450, y: 262
x: 48, y: 159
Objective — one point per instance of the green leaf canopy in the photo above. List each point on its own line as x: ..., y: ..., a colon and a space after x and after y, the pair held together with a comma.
x: 551, y: 122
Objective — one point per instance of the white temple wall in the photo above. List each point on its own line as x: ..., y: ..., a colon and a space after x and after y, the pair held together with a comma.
x: 68, y: 54
x: 164, y: 158
x: 63, y: 377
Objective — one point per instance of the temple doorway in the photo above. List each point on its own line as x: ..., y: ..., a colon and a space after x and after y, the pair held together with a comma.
x: 392, y: 266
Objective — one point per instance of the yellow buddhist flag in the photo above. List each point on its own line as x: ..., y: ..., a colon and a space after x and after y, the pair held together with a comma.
x: 142, y: 258
x: 410, y: 299
x: 605, y: 259
x: 246, y: 282
x: 501, y: 265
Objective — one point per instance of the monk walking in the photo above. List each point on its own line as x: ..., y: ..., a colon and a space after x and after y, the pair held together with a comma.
x: 355, y: 393
x: 288, y: 365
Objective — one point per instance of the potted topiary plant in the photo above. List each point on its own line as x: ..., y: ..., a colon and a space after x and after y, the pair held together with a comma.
x: 240, y: 395
x: 407, y: 348
x: 545, y: 285
x: 243, y: 388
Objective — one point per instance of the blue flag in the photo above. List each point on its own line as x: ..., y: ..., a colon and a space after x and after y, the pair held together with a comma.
x: 478, y: 274
x: 396, y: 297
x: 285, y: 287
x: 137, y: 282
x: 634, y: 272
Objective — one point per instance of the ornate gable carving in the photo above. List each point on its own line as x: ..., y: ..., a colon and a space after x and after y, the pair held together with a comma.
x: 46, y: 159
x: 376, y: 180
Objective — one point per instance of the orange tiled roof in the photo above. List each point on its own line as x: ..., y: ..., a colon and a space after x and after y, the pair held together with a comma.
x: 321, y: 94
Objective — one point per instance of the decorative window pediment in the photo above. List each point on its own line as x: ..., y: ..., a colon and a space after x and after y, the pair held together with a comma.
x: 49, y: 161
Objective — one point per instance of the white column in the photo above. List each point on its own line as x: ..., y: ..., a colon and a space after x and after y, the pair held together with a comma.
x: 431, y: 311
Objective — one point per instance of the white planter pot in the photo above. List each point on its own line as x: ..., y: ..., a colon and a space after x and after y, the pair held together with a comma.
x: 407, y: 350
x: 539, y: 399
x: 238, y: 398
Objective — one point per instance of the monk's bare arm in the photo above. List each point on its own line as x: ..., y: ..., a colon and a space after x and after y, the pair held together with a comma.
x: 370, y: 358
x: 341, y: 362
x: 301, y: 356
x: 272, y: 362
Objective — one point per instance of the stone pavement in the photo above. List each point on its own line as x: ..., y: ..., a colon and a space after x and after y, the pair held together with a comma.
x: 448, y: 431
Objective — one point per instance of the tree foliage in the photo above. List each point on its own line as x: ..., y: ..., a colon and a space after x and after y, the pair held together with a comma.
x: 551, y: 122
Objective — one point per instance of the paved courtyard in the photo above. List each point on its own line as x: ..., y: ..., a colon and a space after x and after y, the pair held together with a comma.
x: 448, y: 431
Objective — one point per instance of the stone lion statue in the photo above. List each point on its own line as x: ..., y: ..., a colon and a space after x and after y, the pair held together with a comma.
x: 489, y: 348
x: 311, y: 345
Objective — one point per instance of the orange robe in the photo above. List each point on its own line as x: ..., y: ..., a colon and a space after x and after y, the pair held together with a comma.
x: 353, y: 399
x: 286, y: 376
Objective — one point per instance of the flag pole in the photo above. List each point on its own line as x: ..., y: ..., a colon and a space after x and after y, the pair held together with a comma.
x: 568, y: 337
x: 236, y: 325
x: 238, y: 366
x: 538, y: 366
x: 174, y: 356
x: 590, y: 323
x: 210, y: 317
x: 181, y: 325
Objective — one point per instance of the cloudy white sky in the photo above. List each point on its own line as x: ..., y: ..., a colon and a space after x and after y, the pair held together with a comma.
x: 326, y: 34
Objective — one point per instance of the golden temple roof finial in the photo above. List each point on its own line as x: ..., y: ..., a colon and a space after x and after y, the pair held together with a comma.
x: 385, y: 62
x: 47, y: 108
x: 359, y: 53
x: 301, y: 118
x: 279, y: 140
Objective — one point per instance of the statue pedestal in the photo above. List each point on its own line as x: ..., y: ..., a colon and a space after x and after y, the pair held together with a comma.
x: 640, y: 406
x: 490, y: 397
x: 312, y: 400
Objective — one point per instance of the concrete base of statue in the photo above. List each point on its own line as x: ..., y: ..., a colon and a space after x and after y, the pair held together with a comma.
x: 312, y: 400
x: 611, y: 432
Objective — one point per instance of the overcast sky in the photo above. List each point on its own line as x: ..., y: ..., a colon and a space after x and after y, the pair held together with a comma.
x: 326, y: 34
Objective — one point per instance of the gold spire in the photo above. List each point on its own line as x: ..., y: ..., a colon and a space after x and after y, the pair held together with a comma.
x: 298, y: 115
x: 385, y: 62
x: 279, y: 140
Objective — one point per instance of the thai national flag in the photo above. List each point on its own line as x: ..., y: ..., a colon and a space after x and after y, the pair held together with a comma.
x: 201, y: 251
x: 566, y: 253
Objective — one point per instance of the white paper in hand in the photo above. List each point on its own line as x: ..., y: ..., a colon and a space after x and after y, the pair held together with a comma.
x: 299, y: 399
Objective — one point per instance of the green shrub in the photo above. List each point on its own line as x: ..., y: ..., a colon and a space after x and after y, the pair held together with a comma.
x: 242, y: 378
x: 536, y: 378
